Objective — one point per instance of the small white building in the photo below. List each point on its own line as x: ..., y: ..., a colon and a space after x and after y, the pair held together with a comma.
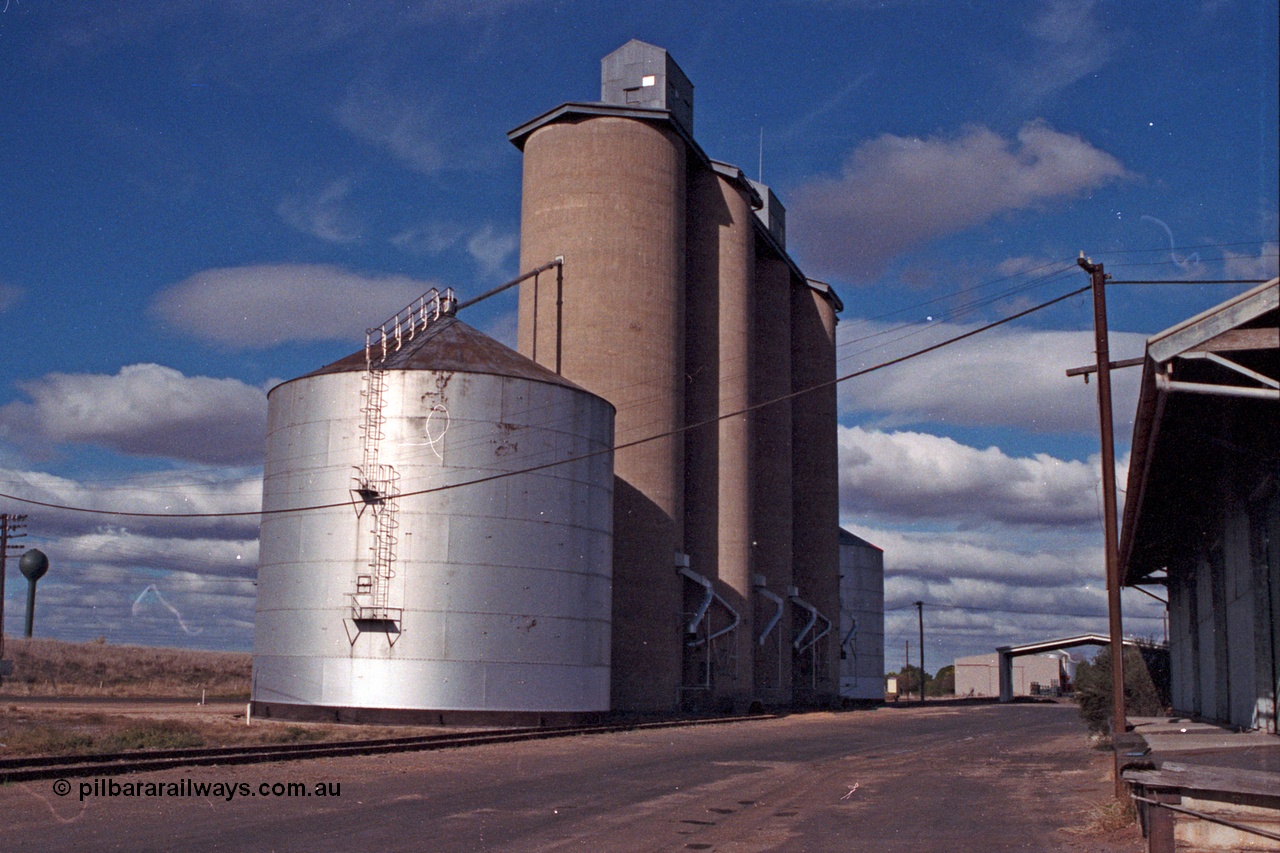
x: 861, y: 619
x: 979, y: 675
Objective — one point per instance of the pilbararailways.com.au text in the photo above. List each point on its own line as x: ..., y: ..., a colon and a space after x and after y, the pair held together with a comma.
x: 192, y: 788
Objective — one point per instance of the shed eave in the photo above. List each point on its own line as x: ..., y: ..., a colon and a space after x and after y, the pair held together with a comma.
x: 1196, y: 330
x: 1136, y: 557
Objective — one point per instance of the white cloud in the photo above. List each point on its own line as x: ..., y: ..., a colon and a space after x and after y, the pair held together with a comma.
x: 203, y: 567
x: 1004, y: 377
x: 82, y: 601
x: 428, y: 238
x: 1025, y: 265
x: 144, y: 410
x: 261, y: 306
x: 201, y: 556
x: 1069, y: 44
x: 9, y: 296
x: 405, y: 128
x: 897, y: 192
x: 981, y: 592
x: 912, y: 475
x: 231, y: 497
x: 323, y: 214
x: 948, y: 555
x: 1264, y: 265
x: 491, y: 250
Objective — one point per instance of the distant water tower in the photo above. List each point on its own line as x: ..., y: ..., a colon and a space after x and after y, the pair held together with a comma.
x: 33, y: 565
x: 414, y: 596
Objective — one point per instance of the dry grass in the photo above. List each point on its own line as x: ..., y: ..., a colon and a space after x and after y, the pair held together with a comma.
x: 44, y: 668
x: 31, y: 730
x: 53, y: 668
x: 78, y: 734
x: 1110, y: 816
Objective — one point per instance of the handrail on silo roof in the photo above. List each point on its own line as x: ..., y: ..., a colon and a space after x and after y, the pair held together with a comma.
x: 407, y: 322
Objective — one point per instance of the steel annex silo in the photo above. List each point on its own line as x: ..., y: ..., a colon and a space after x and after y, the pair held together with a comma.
x: 403, y: 598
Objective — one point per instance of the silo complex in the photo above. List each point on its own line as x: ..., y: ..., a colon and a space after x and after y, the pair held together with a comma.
x: 388, y: 588
x: 638, y: 512
x: 679, y: 305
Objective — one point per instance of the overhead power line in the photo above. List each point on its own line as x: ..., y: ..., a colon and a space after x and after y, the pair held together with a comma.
x: 1193, y: 281
x: 535, y: 468
x: 1160, y: 250
x: 1014, y: 610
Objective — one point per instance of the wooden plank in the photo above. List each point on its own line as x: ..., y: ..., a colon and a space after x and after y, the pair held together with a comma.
x: 1241, y: 339
x: 1204, y: 777
x: 1231, y: 314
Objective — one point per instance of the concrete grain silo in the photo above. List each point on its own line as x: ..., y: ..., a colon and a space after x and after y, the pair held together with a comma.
x: 730, y: 291
x: 608, y: 194
x: 707, y: 215
x: 815, y: 470
x: 402, y: 598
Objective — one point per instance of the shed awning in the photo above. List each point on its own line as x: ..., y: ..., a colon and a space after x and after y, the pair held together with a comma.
x: 1206, y: 417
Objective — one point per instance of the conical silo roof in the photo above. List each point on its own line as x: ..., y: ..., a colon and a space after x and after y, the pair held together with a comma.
x: 448, y: 344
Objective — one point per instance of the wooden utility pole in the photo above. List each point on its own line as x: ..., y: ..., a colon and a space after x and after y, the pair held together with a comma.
x: 906, y: 663
x: 9, y: 527
x: 1098, y: 280
x: 920, y: 613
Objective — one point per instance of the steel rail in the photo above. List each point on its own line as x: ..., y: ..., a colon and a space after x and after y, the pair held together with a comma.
x: 111, y: 764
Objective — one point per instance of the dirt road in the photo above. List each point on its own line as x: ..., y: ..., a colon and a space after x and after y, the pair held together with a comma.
x: 987, y: 778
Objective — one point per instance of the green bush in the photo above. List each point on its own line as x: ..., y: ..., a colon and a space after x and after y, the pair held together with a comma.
x: 1093, y: 689
x: 942, y: 684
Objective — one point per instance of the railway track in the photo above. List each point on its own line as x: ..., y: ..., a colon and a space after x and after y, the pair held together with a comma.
x: 116, y: 763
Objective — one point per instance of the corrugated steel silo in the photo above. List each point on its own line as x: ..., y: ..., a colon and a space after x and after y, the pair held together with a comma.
x: 861, y: 620
x: 483, y: 601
